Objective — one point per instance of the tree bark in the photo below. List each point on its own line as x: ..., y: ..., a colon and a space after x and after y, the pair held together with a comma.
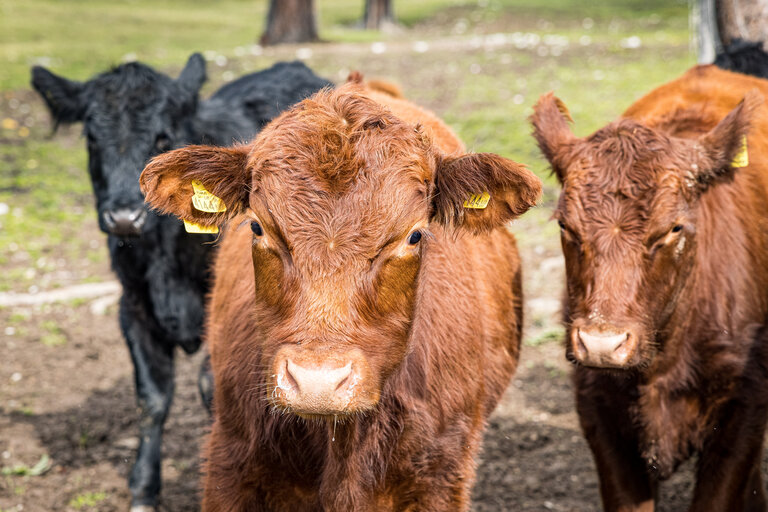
x: 704, y: 19
x: 744, y: 19
x: 290, y: 21
x: 378, y: 14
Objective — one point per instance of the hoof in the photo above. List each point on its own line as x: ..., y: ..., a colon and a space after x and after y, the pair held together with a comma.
x: 143, y: 508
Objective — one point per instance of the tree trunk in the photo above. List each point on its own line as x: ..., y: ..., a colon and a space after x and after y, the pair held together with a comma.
x: 290, y: 21
x: 378, y: 14
x: 704, y: 19
x: 744, y: 19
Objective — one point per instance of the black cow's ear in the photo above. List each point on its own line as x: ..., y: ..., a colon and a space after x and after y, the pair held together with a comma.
x: 204, y: 185
x: 193, y: 75
x: 482, y: 191
x: 63, y: 97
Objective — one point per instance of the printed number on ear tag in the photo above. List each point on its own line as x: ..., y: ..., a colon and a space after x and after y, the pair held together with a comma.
x: 205, y: 201
x: 742, y: 157
x: 193, y: 227
x: 478, y: 201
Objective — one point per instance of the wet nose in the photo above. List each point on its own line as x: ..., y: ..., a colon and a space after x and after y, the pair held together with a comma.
x: 125, y: 221
x: 316, y: 390
x: 607, y: 348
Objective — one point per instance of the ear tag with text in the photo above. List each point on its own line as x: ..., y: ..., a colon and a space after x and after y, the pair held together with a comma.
x: 192, y: 227
x: 205, y: 201
x: 742, y: 157
x: 478, y: 201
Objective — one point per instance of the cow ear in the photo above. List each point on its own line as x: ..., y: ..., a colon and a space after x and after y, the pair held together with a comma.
x: 64, y: 98
x: 550, y: 129
x: 193, y: 75
x: 204, y: 185
x: 726, y: 146
x: 481, y: 191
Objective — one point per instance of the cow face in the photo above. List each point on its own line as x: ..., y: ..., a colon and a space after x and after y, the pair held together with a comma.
x: 628, y: 218
x: 130, y: 114
x: 344, y: 200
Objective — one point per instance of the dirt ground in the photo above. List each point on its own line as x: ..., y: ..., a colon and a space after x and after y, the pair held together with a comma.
x: 75, y: 404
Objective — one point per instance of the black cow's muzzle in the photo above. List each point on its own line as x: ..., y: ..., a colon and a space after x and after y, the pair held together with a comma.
x: 124, y: 221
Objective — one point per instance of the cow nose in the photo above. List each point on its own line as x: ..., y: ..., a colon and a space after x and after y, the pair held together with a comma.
x: 606, y: 349
x: 319, y: 390
x: 125, y: 221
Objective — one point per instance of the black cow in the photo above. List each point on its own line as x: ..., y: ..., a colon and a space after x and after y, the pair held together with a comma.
x: 131, y: 114
x: 742, y: 56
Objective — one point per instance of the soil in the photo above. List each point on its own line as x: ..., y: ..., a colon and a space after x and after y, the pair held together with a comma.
x: 74, y: 403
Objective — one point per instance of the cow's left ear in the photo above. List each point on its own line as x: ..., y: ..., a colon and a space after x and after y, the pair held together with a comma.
x: 203, y: 185
x: 726, y: 146
x: 482, y: 191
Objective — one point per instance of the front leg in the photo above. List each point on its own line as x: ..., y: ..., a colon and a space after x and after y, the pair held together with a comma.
x: 603, y: 408
x: 153, y: 372
x: 728, y: 475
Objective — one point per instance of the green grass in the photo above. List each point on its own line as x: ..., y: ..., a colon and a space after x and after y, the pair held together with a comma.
x: 42, y: 466
x: 82, y: 37
x: 87, y: 500
x: 53, y: 335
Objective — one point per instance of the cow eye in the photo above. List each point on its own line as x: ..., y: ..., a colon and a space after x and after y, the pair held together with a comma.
x: 677, y: 228
x: 162, y: 143
x: 414, y: 238
x: 561, y: 224
x: 256, y: 228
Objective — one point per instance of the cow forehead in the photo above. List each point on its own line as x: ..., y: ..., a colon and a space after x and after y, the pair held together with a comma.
x: 624, y: 174
x: 348, y: 224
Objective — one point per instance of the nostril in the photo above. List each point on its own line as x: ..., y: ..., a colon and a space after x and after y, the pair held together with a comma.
x: 343, y: 382
x: 290, y: 380
x: 623, y: 341
x: 138, y: 217
x: 109, y: 220
x: 581, y: 347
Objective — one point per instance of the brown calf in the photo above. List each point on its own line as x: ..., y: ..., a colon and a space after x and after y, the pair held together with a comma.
x: 665, y: 236
x: 366, y: 324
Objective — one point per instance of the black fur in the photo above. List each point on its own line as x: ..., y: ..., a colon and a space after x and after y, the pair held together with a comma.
x: 131, y: 114
x: 744, y: 57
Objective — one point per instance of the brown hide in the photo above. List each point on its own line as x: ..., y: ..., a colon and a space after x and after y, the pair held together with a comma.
x: 666, y: 248
x: 327, y: 279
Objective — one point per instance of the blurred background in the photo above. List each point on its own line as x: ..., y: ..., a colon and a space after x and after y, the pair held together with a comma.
x: 67, y: 413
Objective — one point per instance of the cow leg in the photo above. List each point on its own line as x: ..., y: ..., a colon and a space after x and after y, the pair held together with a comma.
x: 153, y: 373
x: 625, y: 483
x: 205, y: 383
x: 728, y: 475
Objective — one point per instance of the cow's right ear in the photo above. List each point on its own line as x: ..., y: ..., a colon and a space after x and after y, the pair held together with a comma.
x: 204, y: 185
x: 64, y: 98
x: 550, y: 129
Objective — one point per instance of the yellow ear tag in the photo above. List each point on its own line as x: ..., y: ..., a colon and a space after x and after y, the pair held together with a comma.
x: 478, y: 201
x: 205, y: 201
x: 742, y: 157
x: 193, y: 227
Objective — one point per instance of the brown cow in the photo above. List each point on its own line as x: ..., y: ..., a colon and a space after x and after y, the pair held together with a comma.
x: 367, y: 323
x: 664, y: 228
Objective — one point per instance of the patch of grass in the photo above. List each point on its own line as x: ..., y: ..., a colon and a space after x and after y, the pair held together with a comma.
x: 552, y: 335
x: 87, y: 500
x: 54, y: 336
x: 42, y: 466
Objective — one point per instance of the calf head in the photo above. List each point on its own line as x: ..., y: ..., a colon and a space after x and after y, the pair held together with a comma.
x: 342, y: 198
x: 628, y: 219
x: 130, y: 114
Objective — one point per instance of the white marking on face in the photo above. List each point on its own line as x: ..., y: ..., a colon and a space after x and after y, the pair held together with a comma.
x: 680, y: 246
